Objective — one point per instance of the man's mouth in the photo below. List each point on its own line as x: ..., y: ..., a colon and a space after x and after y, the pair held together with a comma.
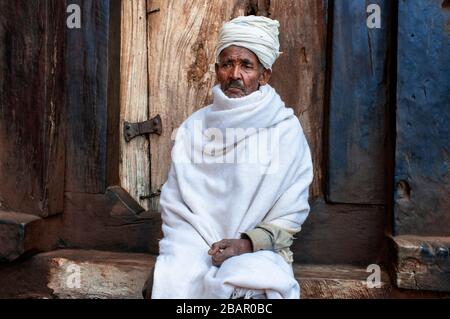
x: 235, y: 89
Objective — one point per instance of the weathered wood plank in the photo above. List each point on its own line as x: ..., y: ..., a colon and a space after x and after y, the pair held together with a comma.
x: 135, y: 155
x: 422, y: 175
x: 32, y: 147
x: 342, y: 234
x: 422, y: 263
x: 299, y: 74
x: 358, y: 105
x: 182, y: 37
x: 87, y: 92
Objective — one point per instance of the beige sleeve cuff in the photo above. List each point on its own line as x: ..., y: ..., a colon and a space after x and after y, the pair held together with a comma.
x: 260, y: 239
x: 269, y: 237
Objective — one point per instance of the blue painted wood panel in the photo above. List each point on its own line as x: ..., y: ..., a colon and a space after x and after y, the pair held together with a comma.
x: 358, y: 105
x: 422, y: 196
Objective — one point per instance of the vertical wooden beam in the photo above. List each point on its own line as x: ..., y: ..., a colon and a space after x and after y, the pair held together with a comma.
x: 87, y: 92
x: 422, y: 175
x: 114, y: 85
x: 299, y: 74
x: 32, y: 148
x: 358, y: 105
x: 134, y: 156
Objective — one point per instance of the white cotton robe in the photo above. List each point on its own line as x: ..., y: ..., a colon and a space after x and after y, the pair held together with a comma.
x: 209, y: 197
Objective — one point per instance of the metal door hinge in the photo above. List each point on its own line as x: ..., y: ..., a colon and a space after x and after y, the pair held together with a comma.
x: 153, y: 126
x: 152, y: 195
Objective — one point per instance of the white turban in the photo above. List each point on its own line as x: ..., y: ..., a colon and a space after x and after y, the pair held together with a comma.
x: 255, y: 33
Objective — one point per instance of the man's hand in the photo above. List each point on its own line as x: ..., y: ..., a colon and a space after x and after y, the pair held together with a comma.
x: 227, y: 248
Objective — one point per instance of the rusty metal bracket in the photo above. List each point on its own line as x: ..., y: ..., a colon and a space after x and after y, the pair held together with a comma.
x: 152, y: 195
x: 153, y: 126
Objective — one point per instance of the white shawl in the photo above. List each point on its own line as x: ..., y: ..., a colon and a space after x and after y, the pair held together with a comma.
x: 206, y: 200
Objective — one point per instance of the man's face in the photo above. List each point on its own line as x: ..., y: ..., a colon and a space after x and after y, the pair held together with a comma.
x: 239, y: 72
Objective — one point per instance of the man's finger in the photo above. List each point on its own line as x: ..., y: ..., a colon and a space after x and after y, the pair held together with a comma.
x: 216, y: 247
x: 222, y: 255
x: 229, y: 252
x: 223, y: 244
x: 218, y: 258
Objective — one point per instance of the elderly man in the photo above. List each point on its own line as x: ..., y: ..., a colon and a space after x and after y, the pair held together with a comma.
x: 228, y: 224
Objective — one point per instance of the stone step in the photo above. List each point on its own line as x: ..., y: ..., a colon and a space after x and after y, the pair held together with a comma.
x: 121, y: 275
x: 340, y: 282
x: 16, y: 234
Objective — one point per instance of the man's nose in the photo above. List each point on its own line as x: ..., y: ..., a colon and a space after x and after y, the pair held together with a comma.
x: 236, y: 73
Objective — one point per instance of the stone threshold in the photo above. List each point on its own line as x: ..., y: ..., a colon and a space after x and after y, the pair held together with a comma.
x: 117, y: 275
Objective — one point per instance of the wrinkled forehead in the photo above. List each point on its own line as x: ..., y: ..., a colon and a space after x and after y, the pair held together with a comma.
x: 235, y: 52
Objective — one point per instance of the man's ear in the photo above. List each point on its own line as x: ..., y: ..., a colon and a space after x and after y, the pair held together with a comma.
x: 265, y: 77
x: 217, y: 69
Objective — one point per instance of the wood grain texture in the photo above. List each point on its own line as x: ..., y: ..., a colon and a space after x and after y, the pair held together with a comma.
x: 182, y: 37
x: 299, y: 74
x: 134, y: 156
x: 87, y: 99
x: 422, y: 174
x: 358, y: 105
x: 32, y: 146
